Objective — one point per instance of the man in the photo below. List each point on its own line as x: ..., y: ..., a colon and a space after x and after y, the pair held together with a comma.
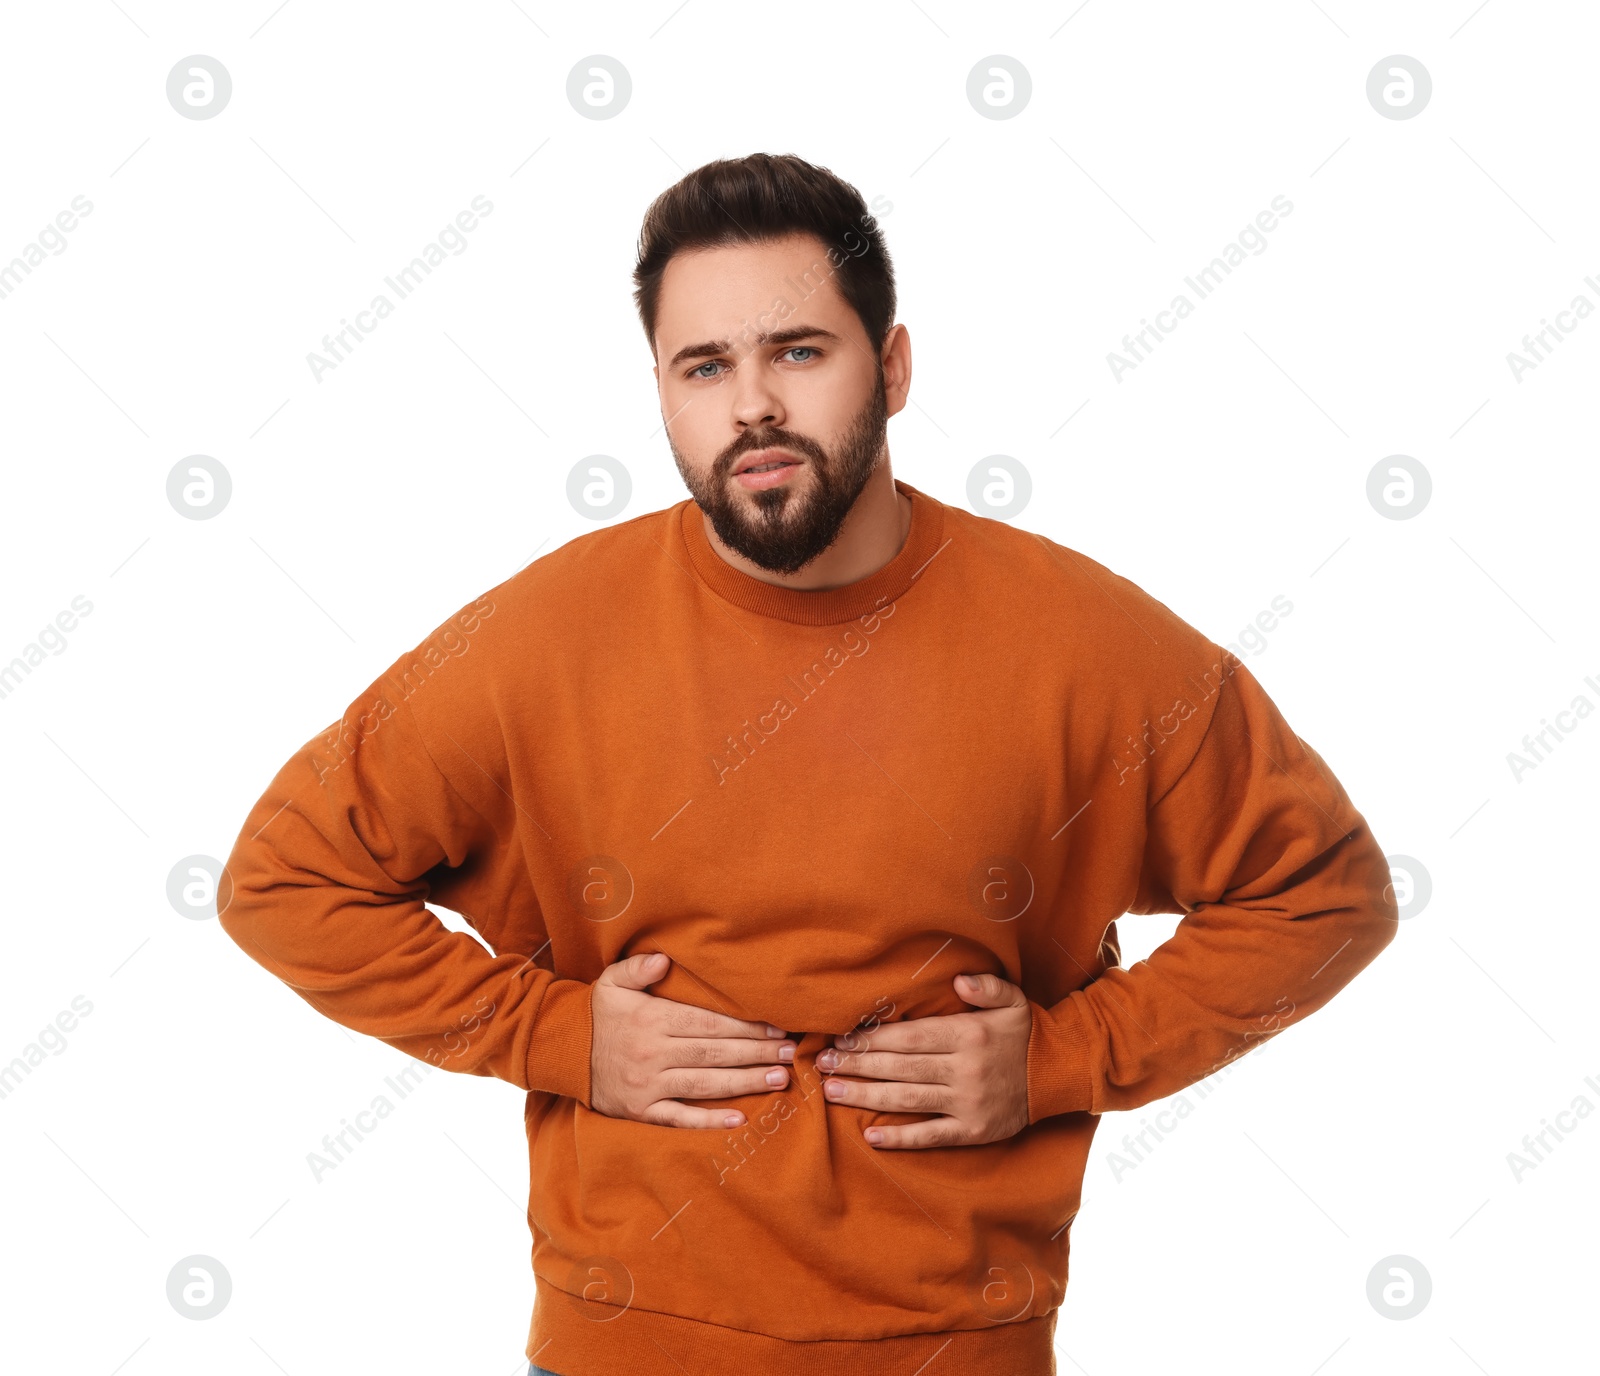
x: 796, y: 820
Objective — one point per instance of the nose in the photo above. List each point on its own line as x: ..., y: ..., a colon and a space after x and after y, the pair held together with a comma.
x: 755, y: 403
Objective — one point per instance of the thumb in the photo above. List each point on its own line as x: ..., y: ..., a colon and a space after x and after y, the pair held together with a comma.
x: 636, y: 972
x: 988, y: 991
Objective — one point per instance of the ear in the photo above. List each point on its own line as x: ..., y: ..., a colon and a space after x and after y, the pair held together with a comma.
x: 896, y: 360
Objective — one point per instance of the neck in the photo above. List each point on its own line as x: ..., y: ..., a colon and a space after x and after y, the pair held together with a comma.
x: 872, y: 534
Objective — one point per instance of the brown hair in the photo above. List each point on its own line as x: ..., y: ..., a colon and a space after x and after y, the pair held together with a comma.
x: 768, y: 196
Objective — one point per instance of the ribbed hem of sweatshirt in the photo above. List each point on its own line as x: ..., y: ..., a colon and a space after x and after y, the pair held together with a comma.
x: 574, y: 1337
x: 558, y: 1050
x: 1060, y: 1076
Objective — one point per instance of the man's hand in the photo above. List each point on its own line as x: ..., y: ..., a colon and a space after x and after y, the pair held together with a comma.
x: 648, y: 1052
x: 970, y: 1067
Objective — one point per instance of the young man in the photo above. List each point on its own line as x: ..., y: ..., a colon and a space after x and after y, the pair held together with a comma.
x: 796, y: 820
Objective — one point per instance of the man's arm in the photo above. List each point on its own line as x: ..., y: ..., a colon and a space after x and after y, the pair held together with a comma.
x: 328, y: 888
x: 1286, y: 898
x: 327, y: 885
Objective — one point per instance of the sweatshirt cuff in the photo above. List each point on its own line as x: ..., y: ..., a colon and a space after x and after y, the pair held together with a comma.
x: 1060, y: 1078
x: 558, y: 1050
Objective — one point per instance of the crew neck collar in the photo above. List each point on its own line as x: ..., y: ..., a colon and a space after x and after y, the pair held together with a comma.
x: 823, y: 606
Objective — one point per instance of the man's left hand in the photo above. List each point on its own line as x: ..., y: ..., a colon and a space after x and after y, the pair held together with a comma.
x: 970, y: 1068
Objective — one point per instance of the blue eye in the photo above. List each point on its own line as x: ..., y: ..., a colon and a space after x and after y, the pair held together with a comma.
x: 697, y: 372
x: 803, y: 349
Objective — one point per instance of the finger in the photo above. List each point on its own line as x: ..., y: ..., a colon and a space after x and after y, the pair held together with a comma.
x: 939, y: 1032
x: 988, y: 991
x: 671, y: 1114
x: 636, y: 972
x: 889, y: 1097
x: 887, y: 1065
x: 686, y: 1020
x: 718, y: 1084
x: 682, y: 1052
x: 935, y: 1132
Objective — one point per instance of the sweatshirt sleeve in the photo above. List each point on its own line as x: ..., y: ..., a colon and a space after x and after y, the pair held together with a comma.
x: 326, y: 888
x: 1285, y: 895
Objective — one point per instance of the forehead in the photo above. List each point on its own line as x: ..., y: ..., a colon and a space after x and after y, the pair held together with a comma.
x: 713, y: 293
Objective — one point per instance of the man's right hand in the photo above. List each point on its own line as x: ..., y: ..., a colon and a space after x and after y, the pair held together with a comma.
x: 648, y: 1053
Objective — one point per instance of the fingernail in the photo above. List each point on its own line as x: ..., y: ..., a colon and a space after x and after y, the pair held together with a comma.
x: 733, y: 1120
x: 827, y: 1060
x: 786, y: 1053
x: 777, y: 1076
x: 874, y: 1135
x: 833, y: 1088
x: 775, y: 1031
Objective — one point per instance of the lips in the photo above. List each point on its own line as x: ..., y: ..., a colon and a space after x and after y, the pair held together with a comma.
x: 761, y: 458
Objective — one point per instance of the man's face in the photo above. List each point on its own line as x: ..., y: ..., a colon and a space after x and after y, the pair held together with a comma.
x: 773, y: 395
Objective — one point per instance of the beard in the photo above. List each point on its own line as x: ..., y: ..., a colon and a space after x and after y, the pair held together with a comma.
x: 777, y: 528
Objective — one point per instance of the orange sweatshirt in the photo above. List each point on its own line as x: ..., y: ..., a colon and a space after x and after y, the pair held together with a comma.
x: 822, y: 806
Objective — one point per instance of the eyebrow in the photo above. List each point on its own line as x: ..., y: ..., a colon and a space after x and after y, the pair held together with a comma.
x: 711, y: 348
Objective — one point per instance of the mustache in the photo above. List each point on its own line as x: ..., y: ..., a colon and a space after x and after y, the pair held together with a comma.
x: 768, y: 439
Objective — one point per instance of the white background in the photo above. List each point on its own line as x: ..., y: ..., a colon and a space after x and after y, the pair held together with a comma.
x: 1228, y: 469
